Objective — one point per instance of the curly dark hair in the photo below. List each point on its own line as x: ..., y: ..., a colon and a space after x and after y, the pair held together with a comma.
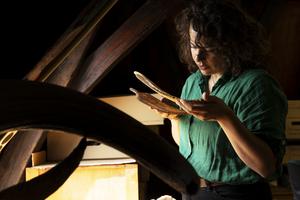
x: 235, y: 36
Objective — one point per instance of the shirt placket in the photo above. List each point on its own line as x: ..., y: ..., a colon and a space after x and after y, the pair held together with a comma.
x: 190, y: 147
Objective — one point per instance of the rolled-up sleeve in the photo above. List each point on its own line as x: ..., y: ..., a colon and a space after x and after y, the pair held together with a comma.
x: 262, y: 108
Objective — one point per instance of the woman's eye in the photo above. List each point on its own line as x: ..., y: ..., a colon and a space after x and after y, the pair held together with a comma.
x: 194, y: 46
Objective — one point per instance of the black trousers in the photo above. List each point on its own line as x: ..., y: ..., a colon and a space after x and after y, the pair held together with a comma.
x: 256, y: 191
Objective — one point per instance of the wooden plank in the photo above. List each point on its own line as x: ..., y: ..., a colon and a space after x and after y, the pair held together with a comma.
x: 121, y: 42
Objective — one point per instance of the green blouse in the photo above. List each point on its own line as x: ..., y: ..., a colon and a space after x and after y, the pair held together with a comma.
x: 261, y: 106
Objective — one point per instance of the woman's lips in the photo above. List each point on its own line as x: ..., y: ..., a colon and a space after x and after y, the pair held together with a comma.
x: 202, y: 66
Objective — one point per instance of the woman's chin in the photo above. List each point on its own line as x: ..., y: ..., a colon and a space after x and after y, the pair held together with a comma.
x: 205, y: 71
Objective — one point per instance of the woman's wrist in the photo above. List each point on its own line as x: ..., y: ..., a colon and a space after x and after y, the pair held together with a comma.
x: 226, y: 115
x: 173, y: 117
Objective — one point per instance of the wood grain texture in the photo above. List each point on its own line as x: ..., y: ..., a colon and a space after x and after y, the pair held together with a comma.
x: 146, y: 19
x: 285, y: 60
x: 76, y: 32
x: 29, y: 104
x: 44, y: 185
x: 16, y: 155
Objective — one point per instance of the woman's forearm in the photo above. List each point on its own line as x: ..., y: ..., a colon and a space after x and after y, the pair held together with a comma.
x: 175, y: 130
x: 254, y: 152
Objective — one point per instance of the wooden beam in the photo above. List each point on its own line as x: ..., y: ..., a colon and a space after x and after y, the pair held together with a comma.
x: 121, y: 42
x: 15, y: 156
x: 63, y: 74
x: 44, y: 185
x: 87, y: 116
x: 90, y: 26
x: 78, y: 30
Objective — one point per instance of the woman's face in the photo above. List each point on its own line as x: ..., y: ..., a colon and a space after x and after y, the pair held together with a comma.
x: 208, y: 62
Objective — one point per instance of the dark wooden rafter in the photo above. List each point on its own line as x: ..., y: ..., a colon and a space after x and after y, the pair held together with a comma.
x: 59, y: 108
x: 133, y: 31
x: 120, y: 43
x: 63, y: 74
x: 77, y: 33
x: 88, y: 29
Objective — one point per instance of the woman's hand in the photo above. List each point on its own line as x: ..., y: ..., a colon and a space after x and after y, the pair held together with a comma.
x: 165, y: 115
x: 253, y: 151
x: 209, y: 108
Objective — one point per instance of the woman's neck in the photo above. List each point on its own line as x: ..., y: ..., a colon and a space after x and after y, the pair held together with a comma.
x: 213, y: 80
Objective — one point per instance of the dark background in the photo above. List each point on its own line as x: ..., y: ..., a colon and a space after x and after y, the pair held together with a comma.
x: 29, y: 28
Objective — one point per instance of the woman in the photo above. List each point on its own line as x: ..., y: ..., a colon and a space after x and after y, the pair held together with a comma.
x: 233, y: 134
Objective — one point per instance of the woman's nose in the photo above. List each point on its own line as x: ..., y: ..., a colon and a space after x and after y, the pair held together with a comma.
x: 201, y: 55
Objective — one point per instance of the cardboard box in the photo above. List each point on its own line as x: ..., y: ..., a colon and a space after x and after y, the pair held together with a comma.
x: 94, y: 180
x: 292, y: 153
x: 293, y: 120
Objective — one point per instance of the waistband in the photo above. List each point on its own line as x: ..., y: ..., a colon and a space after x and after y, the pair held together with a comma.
x: 208, y: 184
x: 205, y: 183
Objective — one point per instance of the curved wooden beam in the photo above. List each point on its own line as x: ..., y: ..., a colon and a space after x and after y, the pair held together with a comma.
x: 27, y: 104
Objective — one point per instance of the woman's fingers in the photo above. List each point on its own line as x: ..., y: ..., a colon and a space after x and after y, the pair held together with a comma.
x: 205, y: 96
x: 192, y: 105
x: 185, y: 105
x: 164, y: 115
x: 198, y: 108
